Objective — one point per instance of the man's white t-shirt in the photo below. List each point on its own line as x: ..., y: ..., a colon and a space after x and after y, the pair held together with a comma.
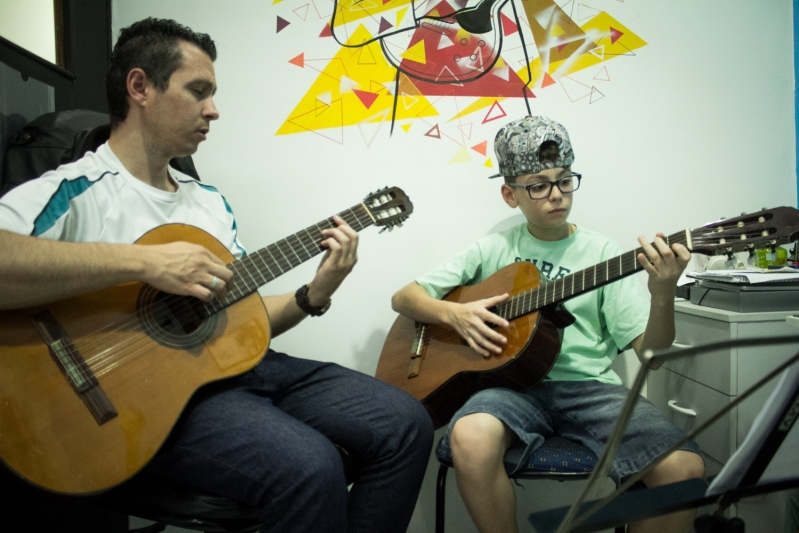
x: 95, y: 199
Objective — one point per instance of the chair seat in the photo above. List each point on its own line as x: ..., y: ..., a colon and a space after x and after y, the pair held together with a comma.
x: 557, y: 457
x: 172, y: 503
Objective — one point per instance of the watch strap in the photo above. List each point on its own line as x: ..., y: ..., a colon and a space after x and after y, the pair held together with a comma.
x: 301, y: 296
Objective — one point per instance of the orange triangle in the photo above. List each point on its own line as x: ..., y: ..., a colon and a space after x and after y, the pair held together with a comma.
x: 299, y: 60
x: 480, y: 148
x: 547, y: 81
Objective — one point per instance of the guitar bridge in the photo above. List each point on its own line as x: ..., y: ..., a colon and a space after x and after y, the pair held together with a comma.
x: 416, y: 350
x: 74, y: 367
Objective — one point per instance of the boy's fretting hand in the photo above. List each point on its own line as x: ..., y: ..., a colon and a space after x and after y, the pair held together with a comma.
x: 471, y: 321
x: 664, y: 265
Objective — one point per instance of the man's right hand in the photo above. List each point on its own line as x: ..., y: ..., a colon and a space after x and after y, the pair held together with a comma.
x: 186, y: 269
x: 471, y: 321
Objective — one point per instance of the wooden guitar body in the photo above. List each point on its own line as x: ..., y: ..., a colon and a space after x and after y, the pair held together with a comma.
x: 49, y: 435
x: 91, y: 386
x: 449, y: 371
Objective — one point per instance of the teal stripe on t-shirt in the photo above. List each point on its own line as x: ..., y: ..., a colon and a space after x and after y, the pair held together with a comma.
x: 59, y: 202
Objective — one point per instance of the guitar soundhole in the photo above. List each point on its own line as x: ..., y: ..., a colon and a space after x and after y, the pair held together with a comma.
x: 179, y: 322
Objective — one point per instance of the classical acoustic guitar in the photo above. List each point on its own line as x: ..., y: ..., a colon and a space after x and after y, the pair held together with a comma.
x: 435, y: 365
x: 91, y: 386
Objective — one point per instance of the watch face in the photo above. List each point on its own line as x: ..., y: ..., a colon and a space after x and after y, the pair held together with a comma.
x: 325, y: 307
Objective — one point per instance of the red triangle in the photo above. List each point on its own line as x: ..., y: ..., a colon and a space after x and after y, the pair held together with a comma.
x: 326, y: 32
x: 562, y: 44
x: 433, y: 132
x: 499, y: 114
x: 480, y: 148
x: 366, y: 98
x: 281, y: 24
x: 508, y: 26
x: 384, y: 25
x: 299, y: 60
x: 547, y: 81
x: 615, y: 35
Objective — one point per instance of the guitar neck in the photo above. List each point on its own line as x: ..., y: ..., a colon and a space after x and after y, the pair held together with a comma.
x: 261, y: 267
x: 580, y: 282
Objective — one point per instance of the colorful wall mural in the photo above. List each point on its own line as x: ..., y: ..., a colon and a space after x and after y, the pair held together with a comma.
x: 443, y: 68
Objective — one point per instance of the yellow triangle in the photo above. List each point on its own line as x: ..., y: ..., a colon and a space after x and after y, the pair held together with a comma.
x: 461, y: 157
x: 311, y: 115
x: 400, y: 15
x: 557, y: 31
x: 462, y: 34
x: 415, y: 53
x: 406, y: 127
x: 350, y: 11
x: 500, y: 63
x: 276, y: 1
x: 488, y: 163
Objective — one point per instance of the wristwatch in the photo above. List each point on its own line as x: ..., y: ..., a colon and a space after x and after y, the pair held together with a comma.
x: 301, y: 296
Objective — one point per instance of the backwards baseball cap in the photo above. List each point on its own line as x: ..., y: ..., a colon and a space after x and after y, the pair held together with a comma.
x: 518, y: 143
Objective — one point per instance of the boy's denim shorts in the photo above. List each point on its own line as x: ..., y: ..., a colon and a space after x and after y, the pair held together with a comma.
x: 582, y: 411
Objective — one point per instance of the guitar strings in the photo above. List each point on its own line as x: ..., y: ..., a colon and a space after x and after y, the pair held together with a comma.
x: 110, y: 356
x: 534, y: 299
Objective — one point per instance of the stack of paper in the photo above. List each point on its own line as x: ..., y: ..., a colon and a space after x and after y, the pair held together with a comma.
x: 752, y: 276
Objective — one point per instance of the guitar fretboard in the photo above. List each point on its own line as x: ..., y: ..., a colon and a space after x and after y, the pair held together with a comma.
x: 577, y: 283
x: 264, y: 265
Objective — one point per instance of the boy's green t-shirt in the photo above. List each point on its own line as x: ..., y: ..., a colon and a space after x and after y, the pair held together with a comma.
x: 607, y: 319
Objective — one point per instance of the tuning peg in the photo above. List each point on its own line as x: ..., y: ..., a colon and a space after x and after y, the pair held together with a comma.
x: 743, y: 213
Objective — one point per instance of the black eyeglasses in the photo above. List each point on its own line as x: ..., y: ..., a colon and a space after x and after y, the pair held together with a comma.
x: 542, y: 189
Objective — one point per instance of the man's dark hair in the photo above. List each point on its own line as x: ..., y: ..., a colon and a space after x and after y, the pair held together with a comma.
x: 152, y: 45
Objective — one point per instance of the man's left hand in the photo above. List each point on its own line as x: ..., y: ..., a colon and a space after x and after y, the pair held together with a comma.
x: 341, y: 243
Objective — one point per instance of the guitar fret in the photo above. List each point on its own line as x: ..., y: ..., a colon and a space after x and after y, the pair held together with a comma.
x: 279, y: 257
x: 299, y: 259
x: 265, y: 264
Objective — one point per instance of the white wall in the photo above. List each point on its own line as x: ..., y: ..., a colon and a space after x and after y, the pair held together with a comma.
x: 31, y: 25
x: 699, y: 124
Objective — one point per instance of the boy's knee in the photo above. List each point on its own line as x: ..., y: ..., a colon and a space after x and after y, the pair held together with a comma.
x: 477, y: 437
x: 679, y: 466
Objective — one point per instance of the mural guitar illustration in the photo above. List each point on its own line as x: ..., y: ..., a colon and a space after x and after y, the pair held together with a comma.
x: 454, y: 46
x: 91, y: 386
x: 433, y: 363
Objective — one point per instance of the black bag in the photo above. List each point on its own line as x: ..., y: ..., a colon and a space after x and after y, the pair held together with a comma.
x: 53, y: 139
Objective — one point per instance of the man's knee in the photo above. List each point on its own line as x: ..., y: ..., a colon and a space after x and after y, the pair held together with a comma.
x: 411, y: 421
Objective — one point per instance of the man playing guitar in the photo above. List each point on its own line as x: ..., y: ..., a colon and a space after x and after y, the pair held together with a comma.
x: 581, y: 396
x: 265, y: 437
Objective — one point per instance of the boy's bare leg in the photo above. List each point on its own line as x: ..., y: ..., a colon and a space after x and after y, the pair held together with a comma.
x: 679, y: 466
x: 478, y: 443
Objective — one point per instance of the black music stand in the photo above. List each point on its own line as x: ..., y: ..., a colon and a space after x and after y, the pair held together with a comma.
x: 740, y: 478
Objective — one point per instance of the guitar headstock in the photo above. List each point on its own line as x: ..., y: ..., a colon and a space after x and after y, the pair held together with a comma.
x: 762, y: 229
x: 389, y: 207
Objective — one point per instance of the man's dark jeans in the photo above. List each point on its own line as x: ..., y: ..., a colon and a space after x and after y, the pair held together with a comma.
x: 265, y: 438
